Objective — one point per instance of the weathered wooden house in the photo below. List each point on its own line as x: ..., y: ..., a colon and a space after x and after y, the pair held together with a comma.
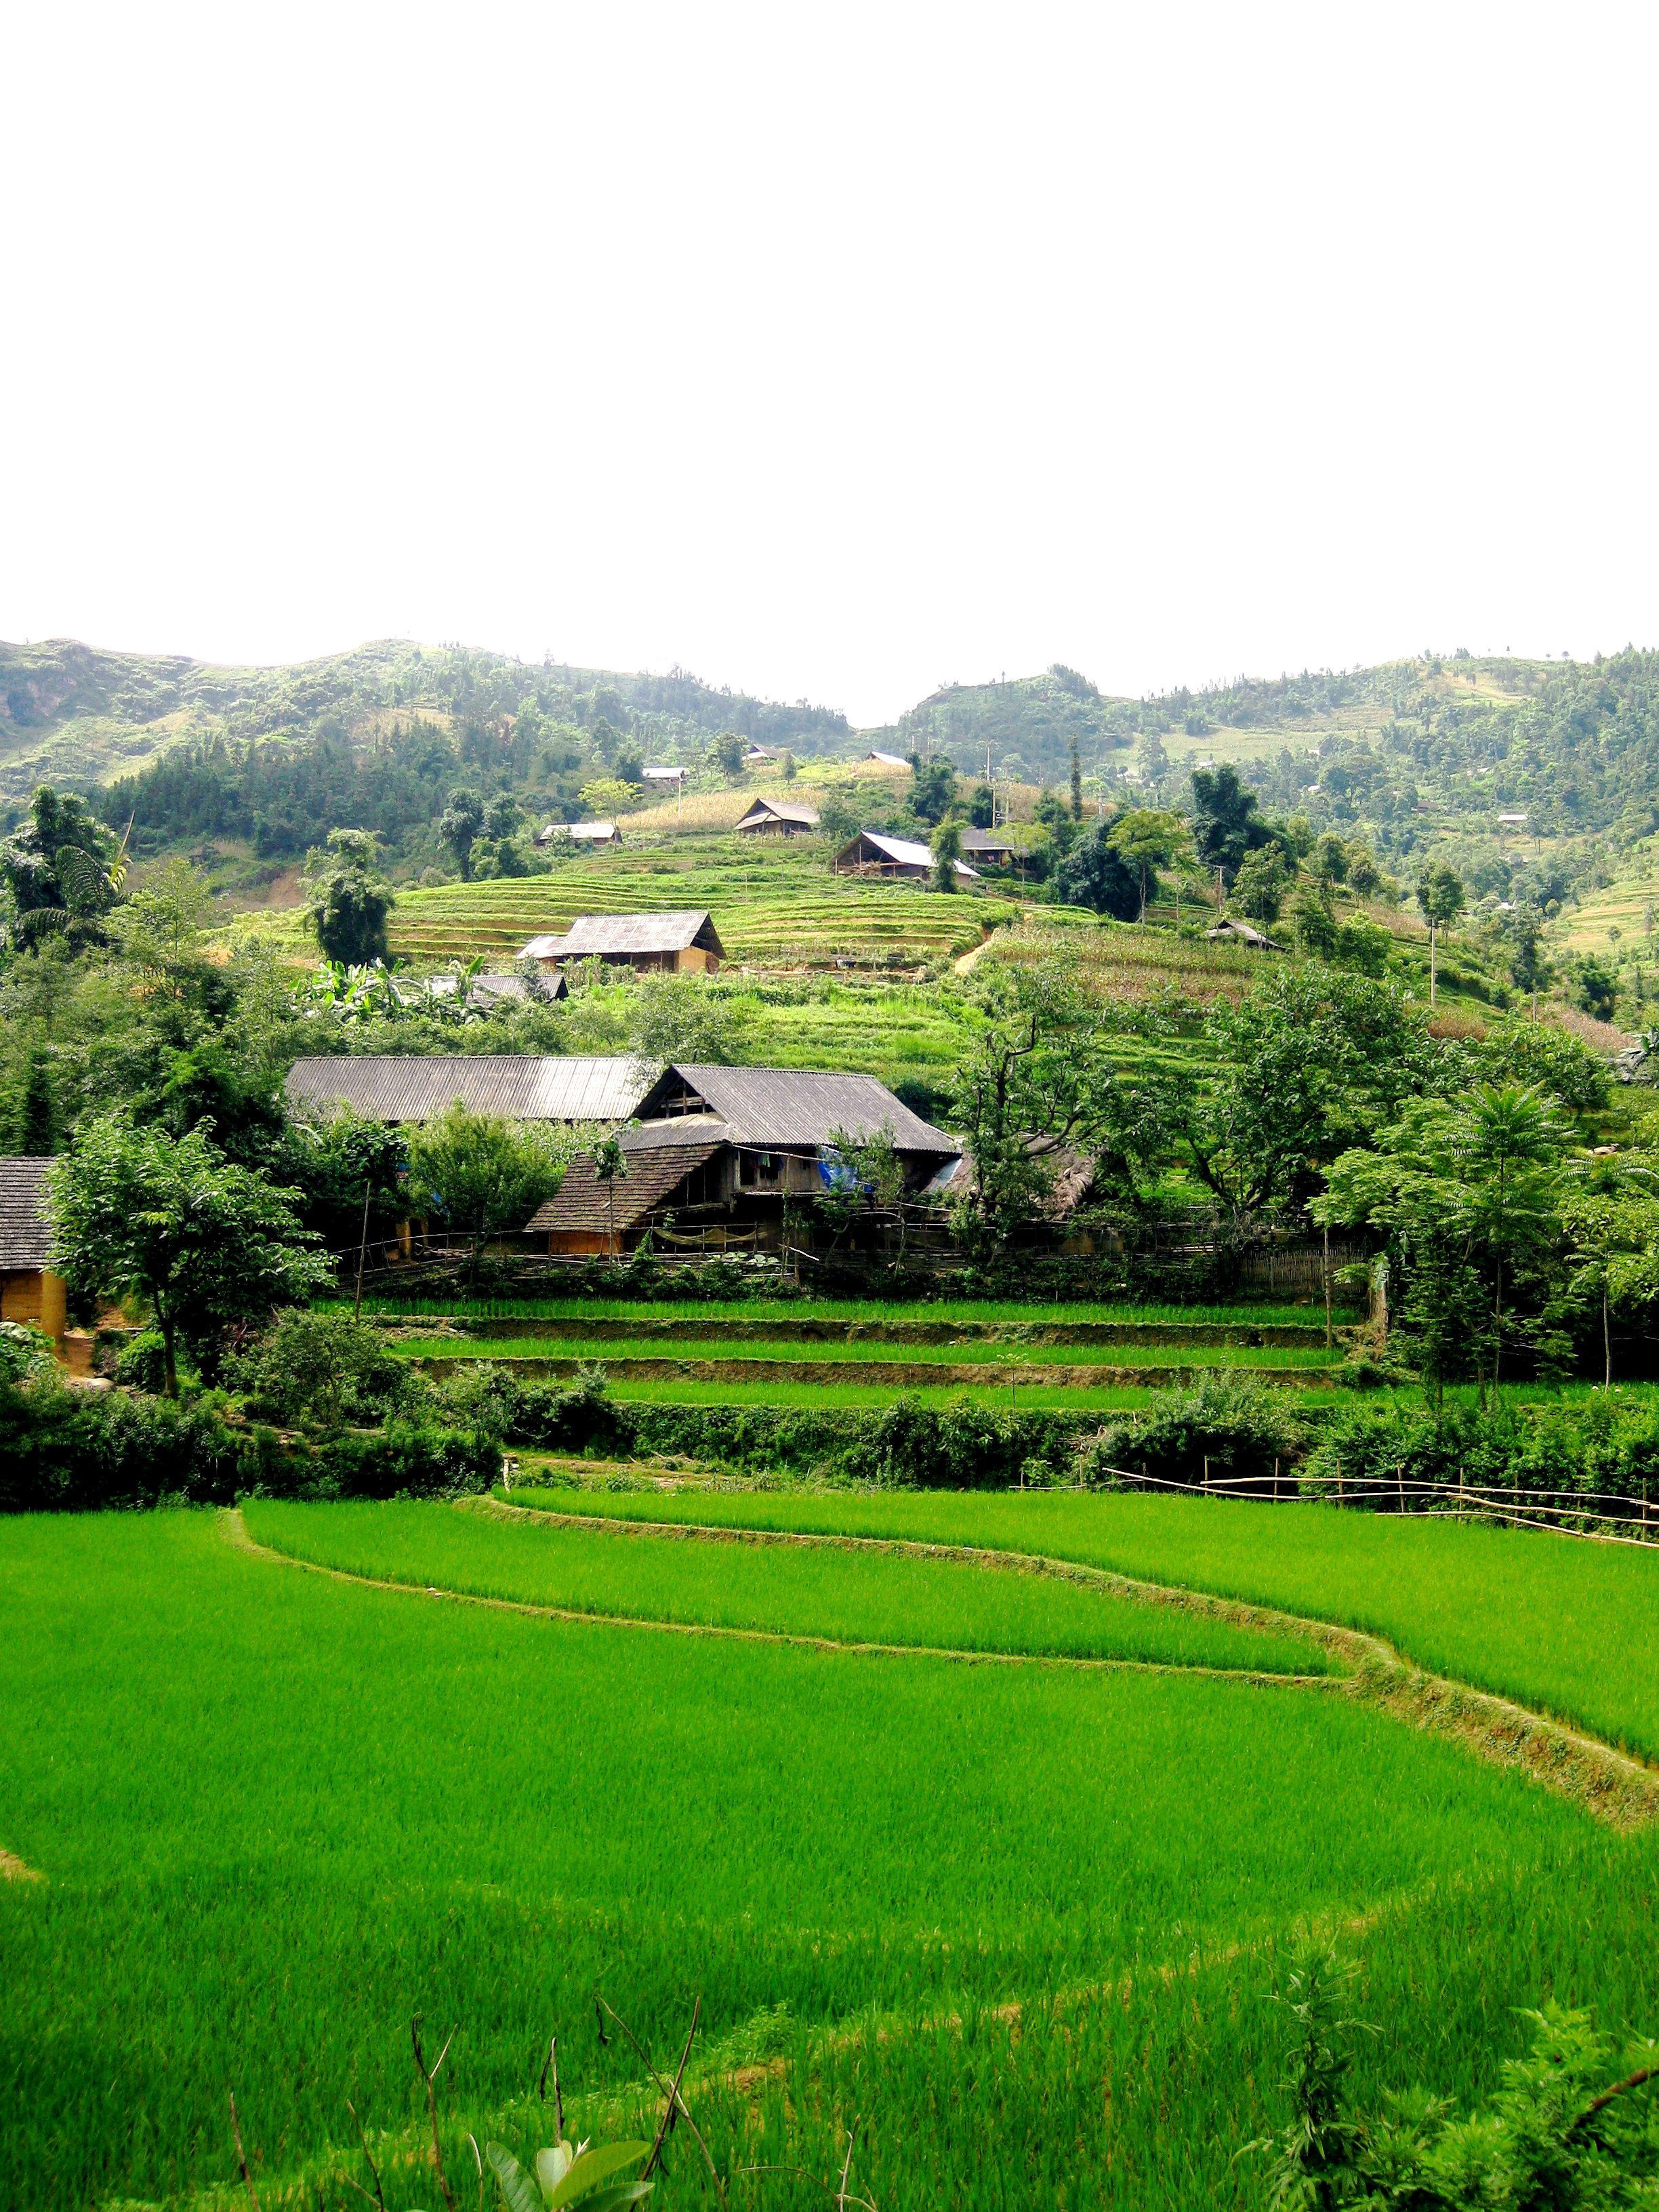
x: 681, y: 944
x: 720, y: 1156
x: 872, y: 853
x: 771, y: 817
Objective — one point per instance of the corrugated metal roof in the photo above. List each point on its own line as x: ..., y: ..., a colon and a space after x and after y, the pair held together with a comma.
x: 985, y: 840
x: 596, y: 833
x: 25, y: 1231
x: 889, y: 760
x: 582, y: 1201
x: 639, y: 932
x: 769, y: 809
x: 905, y: 853
x: 795, y: 1106
x: 521, y: 1086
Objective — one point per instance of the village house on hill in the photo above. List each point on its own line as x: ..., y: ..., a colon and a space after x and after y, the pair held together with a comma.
x: 872, y: 853
x: 770, y: 817
x: 681, y: 944
x: 719, y: 1153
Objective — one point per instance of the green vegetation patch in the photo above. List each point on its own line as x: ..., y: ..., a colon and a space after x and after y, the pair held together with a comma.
x: 1566, y: 1625
x: 783, y: 1588
x: 278, y: 1814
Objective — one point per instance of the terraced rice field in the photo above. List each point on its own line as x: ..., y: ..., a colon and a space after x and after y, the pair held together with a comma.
x: 1011, y: 1921
x: 773, y: 907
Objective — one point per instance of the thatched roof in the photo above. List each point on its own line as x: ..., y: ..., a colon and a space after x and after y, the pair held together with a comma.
x: 583, y: 1202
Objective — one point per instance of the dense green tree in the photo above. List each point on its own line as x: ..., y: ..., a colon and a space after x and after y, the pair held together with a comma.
x: 1148, y: 838
x: 1258, y: 888
x: 459, y: 826
x: 1095, y: 874
x: 199, y: 1241
x: 933, y: 787
x: 62, y: 873
x: 348, y: 900
x: 482, y: 1175
x: 947, y: 851
x: 982, y: 807
x: 1227, y: 822
x: 726, y: 753
x: 1077, y: 782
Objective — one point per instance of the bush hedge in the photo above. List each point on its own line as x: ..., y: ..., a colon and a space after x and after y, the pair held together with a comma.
x: 65, y: 1451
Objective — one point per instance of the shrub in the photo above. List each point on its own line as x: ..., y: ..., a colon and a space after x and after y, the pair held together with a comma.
x: 1227, y: 1424
x: 326, y: 1368
x: 141, y: 1364
x: 404, y: 1460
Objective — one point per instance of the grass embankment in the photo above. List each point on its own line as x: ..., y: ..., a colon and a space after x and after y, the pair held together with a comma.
x: 278, y: 1814
x: 1571, y: 1628
x: 910, y: 1366
x: 780, y: 1589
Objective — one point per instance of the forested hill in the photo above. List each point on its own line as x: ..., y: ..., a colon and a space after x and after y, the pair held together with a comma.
x: 78, y: 716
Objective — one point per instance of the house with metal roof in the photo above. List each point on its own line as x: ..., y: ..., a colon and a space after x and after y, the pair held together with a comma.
x: 731, y: 1157
x: 683, y: 944
x: 518, y: 1086
x: 29, y: 1290
x: 888, y: 760
x: 872, y: 852
x: 770, y: 817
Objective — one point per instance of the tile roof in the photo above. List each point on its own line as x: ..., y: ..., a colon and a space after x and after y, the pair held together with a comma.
x: 794, y: 1106
x: 521, y: 1086
x: 24, y: 1230
x: 583, y: 1202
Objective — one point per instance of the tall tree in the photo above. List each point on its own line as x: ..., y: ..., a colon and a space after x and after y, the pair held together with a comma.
x: 1148, y: 837
x: 459, y: 826
x: 1226, y: 820
x: 483, y: 1175
x: 1077, y: 782
x: 1440, y: 894
x: 347, y: 899
x: 198, y: 1240
x: 947, y: 851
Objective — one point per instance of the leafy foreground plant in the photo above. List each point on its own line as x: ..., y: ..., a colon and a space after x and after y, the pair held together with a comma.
x: 1553, y: 2137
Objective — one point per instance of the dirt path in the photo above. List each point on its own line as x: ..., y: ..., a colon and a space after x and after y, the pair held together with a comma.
x: 1612, y: 1786
x: 13, y: 1869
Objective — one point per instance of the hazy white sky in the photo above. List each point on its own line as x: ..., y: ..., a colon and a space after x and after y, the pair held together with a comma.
x: 832, y: 352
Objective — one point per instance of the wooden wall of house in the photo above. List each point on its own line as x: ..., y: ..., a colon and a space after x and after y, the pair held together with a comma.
x: 33, y: 1294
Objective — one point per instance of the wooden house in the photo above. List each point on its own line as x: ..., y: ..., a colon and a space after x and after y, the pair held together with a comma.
x: 872, y: 853
x: 720, y: 1156
x: 770, y: 817
x: 29, y: 1290
x: 680, y: 944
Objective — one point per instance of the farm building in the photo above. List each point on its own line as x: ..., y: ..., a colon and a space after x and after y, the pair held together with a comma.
x: 770, y: 817
x: 579, y: 832
x: 992, y: 848
x: 30, y: 1292
x: 669, y: 775
x: 758, y: 757
x: 396, y: 1087
x: 872, y: 853
x: 683, y: 944
x: 720, y: 1149
x: 888, y: 760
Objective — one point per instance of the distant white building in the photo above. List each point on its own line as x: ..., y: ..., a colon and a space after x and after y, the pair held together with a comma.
x: 581, y: 833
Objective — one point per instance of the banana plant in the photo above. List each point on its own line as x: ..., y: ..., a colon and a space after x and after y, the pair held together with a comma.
x: 582, y: 2180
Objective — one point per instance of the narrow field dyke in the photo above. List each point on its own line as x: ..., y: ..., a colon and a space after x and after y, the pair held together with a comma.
x: 889, y: 1374
x: 1616, y: 1788
x: 819, y: 1330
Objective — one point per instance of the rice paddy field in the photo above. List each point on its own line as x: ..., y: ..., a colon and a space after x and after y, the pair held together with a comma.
x: 789, y: 1314
x: 1004, y: 1924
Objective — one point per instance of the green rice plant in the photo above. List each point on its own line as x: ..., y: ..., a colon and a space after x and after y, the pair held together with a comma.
x: 278, y: 1814
x: 789, y: 1590
x: 1570, y: 1627
x: 788, y: 1311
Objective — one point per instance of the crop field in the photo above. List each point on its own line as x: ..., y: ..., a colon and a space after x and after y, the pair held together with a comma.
x: 782, y: 1589
x: 1012, y: 1925
x: 1068, y: 1397
x: 1571, y: 1627
x: 779, y: 907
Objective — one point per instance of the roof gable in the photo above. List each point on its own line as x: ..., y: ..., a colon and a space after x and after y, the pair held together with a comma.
x: 600, y: 934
